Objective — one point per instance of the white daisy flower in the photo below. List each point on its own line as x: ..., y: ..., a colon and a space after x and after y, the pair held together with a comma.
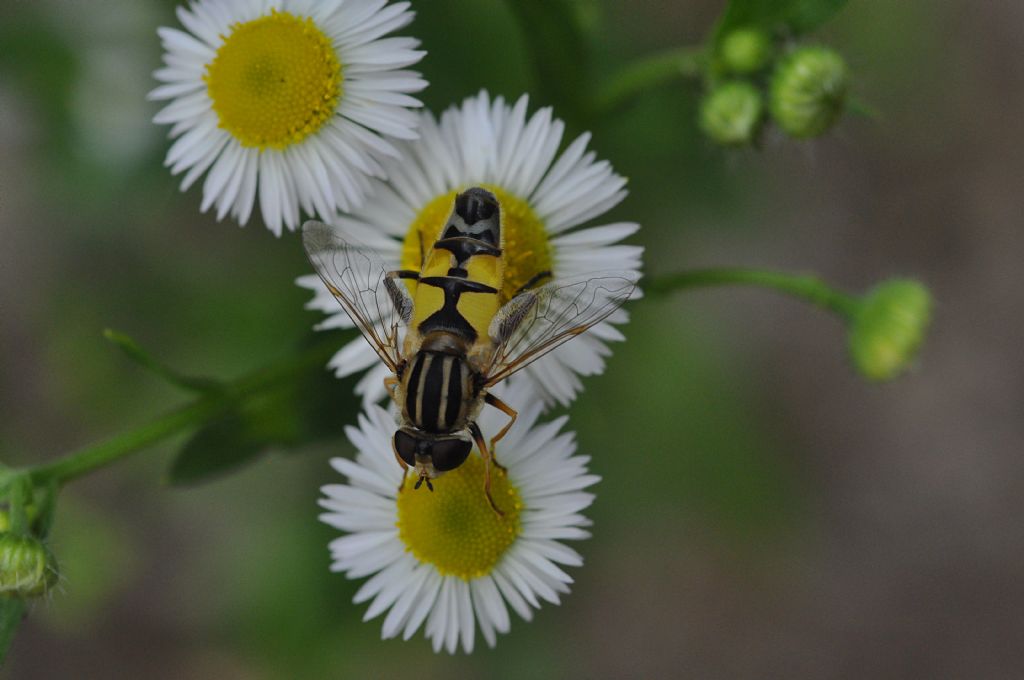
x: 293, y: 100
x: 546, y: 198
x: 445, y: 559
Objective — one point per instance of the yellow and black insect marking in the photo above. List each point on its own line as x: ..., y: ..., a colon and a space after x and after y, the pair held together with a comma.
x: 456, y: 298
x: 438, y: 384
x: 463, y: 333
x: 462, y: 273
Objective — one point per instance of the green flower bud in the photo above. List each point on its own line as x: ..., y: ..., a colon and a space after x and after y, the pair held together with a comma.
x: 27, y: 568
x: 808, y: 91
x: 31, y: 514
x: 889, y: 327
x: 746, y: 50
x: 731, y: 113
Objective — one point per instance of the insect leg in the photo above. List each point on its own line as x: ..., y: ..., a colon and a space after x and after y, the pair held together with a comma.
x: 511, y: 413
x: 534, y: 280
x: 405, y: 468
x: 390, y: 383
x: 482, y: 445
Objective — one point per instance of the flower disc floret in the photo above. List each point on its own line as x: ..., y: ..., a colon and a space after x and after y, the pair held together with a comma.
x: 274, y: 81
x: 454, y: 528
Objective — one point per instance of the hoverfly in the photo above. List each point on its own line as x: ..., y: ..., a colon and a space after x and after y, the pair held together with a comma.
x: 443, y: 333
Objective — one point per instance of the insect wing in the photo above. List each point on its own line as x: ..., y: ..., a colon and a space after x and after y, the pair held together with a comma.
x: 377, y: 303
x: 537, y: 321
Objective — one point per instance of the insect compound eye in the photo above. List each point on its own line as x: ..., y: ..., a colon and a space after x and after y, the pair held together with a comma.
x: 406, y: 446
x: 475, y: 204
x: 449, y: 454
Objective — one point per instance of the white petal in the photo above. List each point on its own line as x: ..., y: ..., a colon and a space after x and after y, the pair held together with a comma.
x: 363, y: 477
x: 354, y: 357
x: 465, y: 606
x: 396, y: 618
x: 438, y: 623
x: 595, y: 236
x: 427, y: 598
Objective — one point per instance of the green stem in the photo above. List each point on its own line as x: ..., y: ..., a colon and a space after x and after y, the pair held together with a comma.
x: 100, y: 455
x: 212, y: 405
x: 198, y: 412
x: 12, y: 610
x: 18, y: 495
x: 808, y: 288
x: 646, y: 73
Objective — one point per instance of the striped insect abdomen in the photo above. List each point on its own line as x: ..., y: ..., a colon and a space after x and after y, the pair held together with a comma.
x: 438, y: 392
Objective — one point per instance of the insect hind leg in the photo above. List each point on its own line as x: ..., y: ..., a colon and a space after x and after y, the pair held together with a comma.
x: 486, y: 455
x: 512, y: 415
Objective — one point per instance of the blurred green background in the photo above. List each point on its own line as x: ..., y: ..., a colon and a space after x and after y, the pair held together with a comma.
x: 763, y: 512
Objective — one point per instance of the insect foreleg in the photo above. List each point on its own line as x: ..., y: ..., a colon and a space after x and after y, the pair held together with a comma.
x: 405, y: 468
x: 478, y: 437
x: 391, y: 385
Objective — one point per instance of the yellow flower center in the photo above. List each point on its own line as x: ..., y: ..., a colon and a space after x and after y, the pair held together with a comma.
x: 454, y: 527
x: 527, y: 251
x: 275, y: 80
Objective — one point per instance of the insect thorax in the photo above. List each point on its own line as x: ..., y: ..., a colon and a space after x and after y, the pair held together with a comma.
x: 461, y: 275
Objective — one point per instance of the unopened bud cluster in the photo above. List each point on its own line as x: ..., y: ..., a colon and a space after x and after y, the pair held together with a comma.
x: 27, y: 568
x: 889, y: 328
x: 808, y: 91
x: 731, y: 113
x: 803, y: 91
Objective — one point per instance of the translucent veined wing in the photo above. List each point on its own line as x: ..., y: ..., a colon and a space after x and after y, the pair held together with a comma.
x: 537, y: 321
x: 377, y: 303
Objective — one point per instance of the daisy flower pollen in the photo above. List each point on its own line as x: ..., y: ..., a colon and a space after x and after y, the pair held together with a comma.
x: 452, y: 528
x: 274, y: 81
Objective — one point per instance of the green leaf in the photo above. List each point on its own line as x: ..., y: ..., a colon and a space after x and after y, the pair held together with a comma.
x: 147, y: 361
x: 224, y: 445
x: 552, y: 32
x: 238, y: 437
x: 806, y: 15
x: 795, y: 16
x: 313, y: 406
